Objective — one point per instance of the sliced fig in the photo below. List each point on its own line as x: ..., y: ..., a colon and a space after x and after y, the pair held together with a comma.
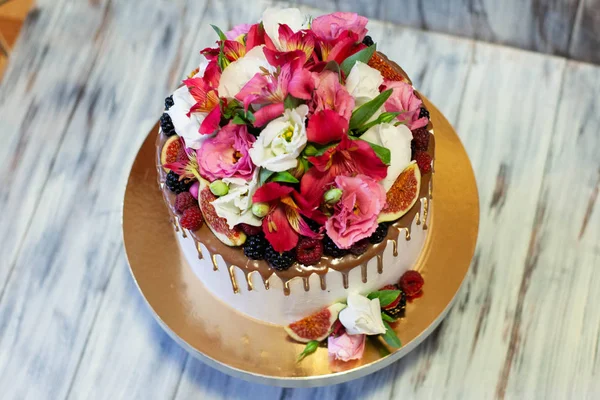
x: 170, y: 150
x: 402, y: 195
x: 218, y: 225
x: 316, y: 326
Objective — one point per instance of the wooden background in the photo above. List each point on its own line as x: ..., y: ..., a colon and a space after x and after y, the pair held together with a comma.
x: 85, y: 84
x: 569, y: 28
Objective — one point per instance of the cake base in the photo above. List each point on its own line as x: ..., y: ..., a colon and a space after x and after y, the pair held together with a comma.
x: 262, y: 352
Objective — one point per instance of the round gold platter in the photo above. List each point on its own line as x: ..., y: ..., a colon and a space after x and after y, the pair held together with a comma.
x: 259, y: 352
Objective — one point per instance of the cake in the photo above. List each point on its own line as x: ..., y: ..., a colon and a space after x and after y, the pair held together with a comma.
x: 296, y: 164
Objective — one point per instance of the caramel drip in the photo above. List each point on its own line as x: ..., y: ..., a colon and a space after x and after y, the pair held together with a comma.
x: 425, y: 203
x: 266, y: 282
x: 286, y: 287
x: 363, y: 272
x: 323, y: 283
x: 215, y: 263
x: 199, y: 248
x: 183, y: 233
x: 306, y: 282
x: 394, y: 246
x: 418, y: 217
x: 380, y: 263
x: 234, y: 284
x: 249, y: 281
x: 345, y: 279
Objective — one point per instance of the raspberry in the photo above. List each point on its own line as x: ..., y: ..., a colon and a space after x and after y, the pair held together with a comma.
x: 423, y: 161
x: 250, y: 230
x: 380, y: 233
x: 183, y: 201
x: 167, y: 125
x: 368, y: 41
x: 411, y: 283
x: 421, y: 139
x: 175, y: 185
x: 277, y: 260
x: 359, y: 247
x: 255, y: 247
x: 309, y: 251
x: 424, y: 113
x: 191, y: 219
x: 331, y: 249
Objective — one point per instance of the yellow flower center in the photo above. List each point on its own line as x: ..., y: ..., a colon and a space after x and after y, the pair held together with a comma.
x: 288, y: 133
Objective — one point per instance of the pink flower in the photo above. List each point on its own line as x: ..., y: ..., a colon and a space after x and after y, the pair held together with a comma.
x: 226, y: 154
x: 330, y: 94
x: 330, y: 26
x: 405, y: 101
x: 326, y: 126
x: 237, y: 31
x: 292, y: 45
x: 355, y: 215
x: 346, y: 347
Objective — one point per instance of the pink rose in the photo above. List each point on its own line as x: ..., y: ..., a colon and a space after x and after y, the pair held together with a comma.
x: 330, y: 94
x: 355, y: 215
x: 237, y: 30
x: 330, y: 26
x: 404, y: 100
x: 226, y: 154
x: 346, y: 347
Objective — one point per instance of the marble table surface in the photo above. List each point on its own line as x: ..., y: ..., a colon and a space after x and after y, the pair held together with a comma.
x: 85, y: 84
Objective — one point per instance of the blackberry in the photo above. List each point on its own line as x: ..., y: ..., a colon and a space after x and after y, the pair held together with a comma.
x: 169, y: 102
x: 331, y: 249
x: 167, y: 125
x: 359, y: 247
x: 380, y: 233
x: 277, y: 260
x: 398, y: 310
x: 313, y: 225
x: 255, y: 247
x: 175, y: 185
x: 423, y: 113
x: 368, y: 41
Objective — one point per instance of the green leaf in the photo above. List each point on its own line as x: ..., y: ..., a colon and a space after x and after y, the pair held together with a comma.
x: 381, y: 349
x: 362, y: 114
x: 390, y: 336
x: 284, y: 177
x: 313, y: 149
x: 219, y: 32
x: 363, y: 56
x: 384, y: 118
x: 383, y: 153
x: 310, y: 348
x: 291, y: 102
x: 387, y: 318
x: 264, y: 175
x: 386, y: 297
x: 237, y: 120
x: 250, y: 116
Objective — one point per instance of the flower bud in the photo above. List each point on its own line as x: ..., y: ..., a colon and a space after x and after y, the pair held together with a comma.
x: 219, y: 188
x: 260, y: 209
x: 332, y: 196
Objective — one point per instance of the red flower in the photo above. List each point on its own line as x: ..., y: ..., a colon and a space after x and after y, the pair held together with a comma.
x: 326, y: 126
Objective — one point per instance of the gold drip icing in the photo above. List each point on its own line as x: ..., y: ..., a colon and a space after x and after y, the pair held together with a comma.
x: 363, y: 272
x: 234, y: 284
x: 323, y: 283
x: 345, y: 278
x: 394, y: 246
x: 380, y: 263
x: 249, y: 281
x: 425, y: 203
x: 306, y: 282
x: 199, y: 248
x: 215, y: 263
x: 418, y: 217
x: 266, y: 282
x: 286, y: 287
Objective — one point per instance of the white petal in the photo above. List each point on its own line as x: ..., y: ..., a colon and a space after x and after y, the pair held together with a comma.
x: 239, y: 72
x: 291, y: 17
x: 363, y: 83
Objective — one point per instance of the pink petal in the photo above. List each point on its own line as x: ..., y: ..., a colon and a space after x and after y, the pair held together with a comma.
x: 268, y: 113
x: 271, y: 191
x: 278, y: 231
x: 255, y: 37
x: 211, y: 122
x: 326, y: 126
x: 302, y: 84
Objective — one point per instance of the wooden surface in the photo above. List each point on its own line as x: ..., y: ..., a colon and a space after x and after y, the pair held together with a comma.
x: 85, y: 84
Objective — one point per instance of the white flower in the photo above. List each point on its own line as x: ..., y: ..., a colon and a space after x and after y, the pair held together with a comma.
x: 236, y: 205
x: 362, y: 316
x: 239, y: 72
x: 397, y: 140
x: 280, y: 143
x: 291, y: 17
x: 188, y: 127
x: 363, y: 83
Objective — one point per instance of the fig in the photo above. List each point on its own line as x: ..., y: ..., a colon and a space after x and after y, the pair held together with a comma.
x: 170, y: 150
x: 218, y: 225
x: 316, y: 326
x: 402, y: 195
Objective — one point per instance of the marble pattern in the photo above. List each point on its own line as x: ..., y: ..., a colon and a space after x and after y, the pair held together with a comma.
x: 84, y: 86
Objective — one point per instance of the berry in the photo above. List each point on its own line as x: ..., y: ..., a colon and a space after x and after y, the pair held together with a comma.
x: 359, y: 247
x: 191, y: 219
x: 309, y: 251
x: 175, y: 185
x: 182, y: 154
x: 423, y: 161
x: 277, y: 260
x: 331, y: 249
x: 380, y: 233
x: 183, y: 201
x: 313, y: 225
x: 411, y: 283
x: 368, y: 41
x: 169, y: 102
x: 396, y: 307
x: 424, y: 113
x: 421, y: 139
x: 167, y: 125
x: 250, y: 230
x: 255, y: 247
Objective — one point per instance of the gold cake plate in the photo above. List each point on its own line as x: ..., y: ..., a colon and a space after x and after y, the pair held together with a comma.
x: 259, y: 352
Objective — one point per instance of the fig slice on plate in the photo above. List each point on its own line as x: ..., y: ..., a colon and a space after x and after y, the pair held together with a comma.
x: 316, y: 326
x: 402, y: 195
x: 218, y: 225
x: 170, y: 150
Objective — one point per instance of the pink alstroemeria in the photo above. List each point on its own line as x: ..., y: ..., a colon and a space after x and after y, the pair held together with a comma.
x: 283, y: 224
x: 294, y: 44
x: 347, y: 158
x: 330, y: 94
x: 256, y: 36
x: 405, y: 101
x: 204, y: 92
x: 346, y: 347
x: 331, y: 26
x: 326, y: 126
x: 339, y: 49
x: 237, y: 31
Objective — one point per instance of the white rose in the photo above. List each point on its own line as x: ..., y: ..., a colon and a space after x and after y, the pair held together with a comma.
x: 396, y: 139
x: 291, y: 17
x: 188, y: 127
x: 363, y: 83
x: 362, y: 316
x: 236, y: 205
x: 239, y: 72
x: 280, y: 143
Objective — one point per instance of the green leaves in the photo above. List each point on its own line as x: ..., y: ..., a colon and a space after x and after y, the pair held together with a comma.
x: 291, y: 102
x: 390, y: 336
x: 363, y: 56
x: 243, y: 118
x: 383, y: 153
x: 221, y: 59
x: 386, y: 297
x: 387, y: 318
x: 310, y: 348
x: 385, y: 117
x: 265, y: 176
x: 219, y: 32
x: 362, y: 114
x: 314, y: 149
